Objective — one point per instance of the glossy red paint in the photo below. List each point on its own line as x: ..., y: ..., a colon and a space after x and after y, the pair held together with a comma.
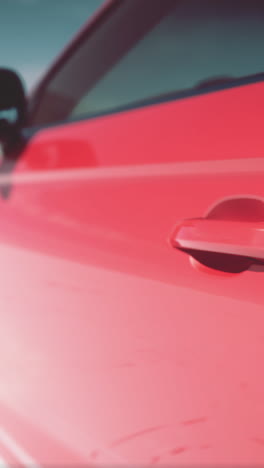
x: 114, y: 350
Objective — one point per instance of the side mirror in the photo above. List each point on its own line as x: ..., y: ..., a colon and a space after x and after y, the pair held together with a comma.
x: 13, y: 107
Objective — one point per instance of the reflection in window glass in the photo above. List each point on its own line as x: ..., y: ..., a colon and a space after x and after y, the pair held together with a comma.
x: 196, y: 42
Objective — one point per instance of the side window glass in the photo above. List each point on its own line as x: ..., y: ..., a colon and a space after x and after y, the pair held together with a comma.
x: 186, y: 45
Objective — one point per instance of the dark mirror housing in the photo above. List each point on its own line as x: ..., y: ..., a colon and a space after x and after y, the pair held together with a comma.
x: 13, y: 107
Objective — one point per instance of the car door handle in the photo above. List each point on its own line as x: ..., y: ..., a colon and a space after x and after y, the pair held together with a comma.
x: 234, y: 244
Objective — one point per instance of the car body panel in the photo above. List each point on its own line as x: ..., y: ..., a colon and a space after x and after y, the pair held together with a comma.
x: 115, y: 349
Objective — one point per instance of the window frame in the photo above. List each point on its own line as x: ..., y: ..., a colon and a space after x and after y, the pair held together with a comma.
x: 88, y: 29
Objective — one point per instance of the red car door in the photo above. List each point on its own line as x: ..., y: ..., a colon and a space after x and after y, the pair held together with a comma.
x: 132, y: 246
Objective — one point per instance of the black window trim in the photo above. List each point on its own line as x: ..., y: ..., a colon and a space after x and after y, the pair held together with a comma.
x: 150, y: 102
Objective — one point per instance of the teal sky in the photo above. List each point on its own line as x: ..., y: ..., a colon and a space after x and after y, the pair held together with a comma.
x: 33, y: 32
